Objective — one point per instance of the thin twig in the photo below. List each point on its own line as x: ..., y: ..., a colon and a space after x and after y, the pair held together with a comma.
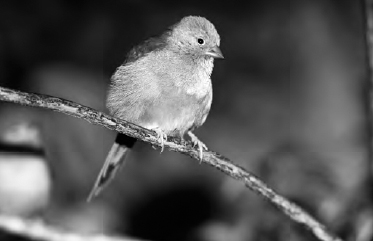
x: 36, y: 229
x: 174, y: 144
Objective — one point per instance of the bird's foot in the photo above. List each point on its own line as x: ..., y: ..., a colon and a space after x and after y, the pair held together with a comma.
x: 161, y: 136
x: 197, y: 142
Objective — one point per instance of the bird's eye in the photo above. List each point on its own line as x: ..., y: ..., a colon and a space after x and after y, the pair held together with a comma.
x: 200, y: 41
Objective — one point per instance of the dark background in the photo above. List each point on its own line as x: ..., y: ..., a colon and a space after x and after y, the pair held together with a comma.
x: 288, y: 106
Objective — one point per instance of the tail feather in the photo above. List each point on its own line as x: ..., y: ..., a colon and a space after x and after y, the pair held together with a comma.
x: 113, y: 162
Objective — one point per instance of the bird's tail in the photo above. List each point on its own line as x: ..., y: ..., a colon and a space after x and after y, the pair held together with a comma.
x: 114, y: 160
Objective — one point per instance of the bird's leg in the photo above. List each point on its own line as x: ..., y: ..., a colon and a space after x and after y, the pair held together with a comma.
x: 161, y: 136
x: 197, y: 142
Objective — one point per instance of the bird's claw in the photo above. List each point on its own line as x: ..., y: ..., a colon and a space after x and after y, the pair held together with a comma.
x: 161, y: 136
x: 196, y: 142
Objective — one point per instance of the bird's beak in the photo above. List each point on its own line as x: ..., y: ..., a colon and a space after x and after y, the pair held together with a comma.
x: 215, y: 52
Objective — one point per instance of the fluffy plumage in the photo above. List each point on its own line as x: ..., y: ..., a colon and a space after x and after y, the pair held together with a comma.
x: 165, y: 83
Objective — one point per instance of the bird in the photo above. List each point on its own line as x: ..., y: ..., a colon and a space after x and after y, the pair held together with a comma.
x: 163, y: 85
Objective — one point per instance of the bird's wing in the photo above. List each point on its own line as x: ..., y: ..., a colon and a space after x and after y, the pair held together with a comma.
x: 149, y: 45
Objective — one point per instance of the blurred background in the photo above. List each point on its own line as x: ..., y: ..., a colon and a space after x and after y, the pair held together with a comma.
x: 289, y: 105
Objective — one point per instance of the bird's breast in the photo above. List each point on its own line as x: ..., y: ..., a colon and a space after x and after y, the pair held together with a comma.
x: 201, y: 86
x: 184, y: 93
x: 182, y: 74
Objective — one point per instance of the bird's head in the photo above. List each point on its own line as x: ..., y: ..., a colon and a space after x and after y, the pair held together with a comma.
x: 195, y: 37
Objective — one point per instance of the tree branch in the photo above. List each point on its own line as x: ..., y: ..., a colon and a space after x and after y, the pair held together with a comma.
x: 36, y: 229
x: 174, y: 144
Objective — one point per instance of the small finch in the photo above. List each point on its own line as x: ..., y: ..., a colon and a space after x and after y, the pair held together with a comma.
x: 163, y: 85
